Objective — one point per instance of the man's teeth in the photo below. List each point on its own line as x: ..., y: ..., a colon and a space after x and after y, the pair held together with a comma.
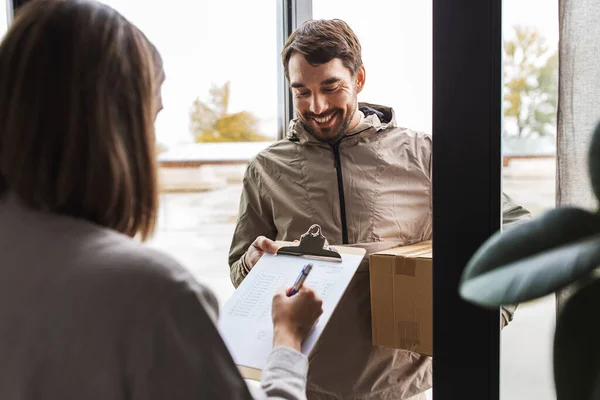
x: 323, y: 120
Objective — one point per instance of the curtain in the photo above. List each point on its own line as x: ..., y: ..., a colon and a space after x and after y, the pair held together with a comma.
x: 579, y: 98
x: 579, y: 101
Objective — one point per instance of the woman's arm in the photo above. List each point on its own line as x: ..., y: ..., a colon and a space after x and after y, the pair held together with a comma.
x: 183, y: 357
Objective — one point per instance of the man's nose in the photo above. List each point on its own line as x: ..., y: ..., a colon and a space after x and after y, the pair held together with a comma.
x: 318, y: 104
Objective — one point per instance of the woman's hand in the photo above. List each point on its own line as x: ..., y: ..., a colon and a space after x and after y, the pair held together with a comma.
x: 294, y: 317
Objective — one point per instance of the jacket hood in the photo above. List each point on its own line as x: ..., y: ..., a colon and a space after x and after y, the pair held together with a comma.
x: 377, y: 118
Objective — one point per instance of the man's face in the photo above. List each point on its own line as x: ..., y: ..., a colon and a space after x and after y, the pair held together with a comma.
x: 325, y: 97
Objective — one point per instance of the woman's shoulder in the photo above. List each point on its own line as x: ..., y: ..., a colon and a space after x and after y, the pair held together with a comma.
x: 149, y: 271
x: 101, y: 268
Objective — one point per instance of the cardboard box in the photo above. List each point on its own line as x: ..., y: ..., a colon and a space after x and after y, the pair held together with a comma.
x: 402, y: 298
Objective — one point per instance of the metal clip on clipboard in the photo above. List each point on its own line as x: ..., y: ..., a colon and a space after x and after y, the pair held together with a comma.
x: 312, y: 245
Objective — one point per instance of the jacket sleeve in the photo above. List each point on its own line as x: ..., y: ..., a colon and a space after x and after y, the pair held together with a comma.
x: 512, y: 213
x: 255, y: 218
x: 183, y: 357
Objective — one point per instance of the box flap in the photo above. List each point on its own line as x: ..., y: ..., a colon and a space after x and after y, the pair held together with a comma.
x: 417, y: 250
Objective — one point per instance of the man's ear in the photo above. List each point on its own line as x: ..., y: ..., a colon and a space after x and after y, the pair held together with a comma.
x: 361, y: 76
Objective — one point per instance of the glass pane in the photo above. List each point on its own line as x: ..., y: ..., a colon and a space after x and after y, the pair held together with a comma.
x: 3, y: 17
x: 220, y: 93
x: 396, y: 41
x: 529, y: 176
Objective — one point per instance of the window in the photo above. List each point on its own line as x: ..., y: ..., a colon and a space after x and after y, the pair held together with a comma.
x: 396, y: 40
x: 201, y: 169
x: 397, y: 53
x: 218, y: 61
x: 530, y: 36
x: 4, y: 17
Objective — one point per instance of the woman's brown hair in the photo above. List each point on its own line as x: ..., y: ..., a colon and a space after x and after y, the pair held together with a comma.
x: 78, y: 86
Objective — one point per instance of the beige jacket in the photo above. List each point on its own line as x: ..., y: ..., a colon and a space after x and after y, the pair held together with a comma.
x: 371, y: 190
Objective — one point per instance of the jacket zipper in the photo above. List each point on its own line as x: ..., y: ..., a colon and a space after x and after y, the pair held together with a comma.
x: 338, y: 167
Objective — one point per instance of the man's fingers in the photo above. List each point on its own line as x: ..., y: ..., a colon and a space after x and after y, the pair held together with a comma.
x: 265, y: 244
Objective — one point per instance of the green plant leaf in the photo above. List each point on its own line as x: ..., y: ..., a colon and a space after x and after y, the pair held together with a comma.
x: 533, y: 258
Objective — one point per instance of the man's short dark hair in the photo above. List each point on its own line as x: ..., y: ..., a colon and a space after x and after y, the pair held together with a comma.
x: 320, y: 41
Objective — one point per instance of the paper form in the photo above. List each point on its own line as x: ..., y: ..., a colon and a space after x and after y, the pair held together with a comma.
x: 245, y: 321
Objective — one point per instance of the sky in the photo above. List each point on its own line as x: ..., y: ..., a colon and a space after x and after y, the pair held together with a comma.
x: 206, y: 43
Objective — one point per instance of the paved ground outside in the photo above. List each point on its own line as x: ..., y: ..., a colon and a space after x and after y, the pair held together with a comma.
x: 526, y: 344
x: 196, y: 228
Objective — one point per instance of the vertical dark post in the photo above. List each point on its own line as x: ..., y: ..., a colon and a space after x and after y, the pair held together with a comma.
x: 467, y: 112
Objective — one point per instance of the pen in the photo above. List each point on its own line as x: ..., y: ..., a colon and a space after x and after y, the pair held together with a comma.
x: 300, y: 280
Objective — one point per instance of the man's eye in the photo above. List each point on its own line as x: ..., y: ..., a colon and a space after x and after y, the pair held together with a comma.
x: 330, y: 90
x: 302, y: 94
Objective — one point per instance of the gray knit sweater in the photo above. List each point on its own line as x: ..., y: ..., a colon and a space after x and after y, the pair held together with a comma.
x: 88, y: 313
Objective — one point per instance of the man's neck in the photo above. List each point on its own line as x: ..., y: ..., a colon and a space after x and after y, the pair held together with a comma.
x: 356, y: 120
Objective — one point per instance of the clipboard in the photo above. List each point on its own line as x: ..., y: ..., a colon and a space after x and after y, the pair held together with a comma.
x: 244, y: 324
x: 312, y: 245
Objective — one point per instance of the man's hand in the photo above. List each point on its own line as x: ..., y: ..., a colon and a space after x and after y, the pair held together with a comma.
x: 294, y: 317
x: 260, y: 246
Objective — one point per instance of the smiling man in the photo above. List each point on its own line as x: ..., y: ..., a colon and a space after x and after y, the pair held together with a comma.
x: 350, y: 168
x: 327, y: 108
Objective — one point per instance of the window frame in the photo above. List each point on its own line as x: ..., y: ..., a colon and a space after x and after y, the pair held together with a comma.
x: 290, y: 15
x: 467, y: 118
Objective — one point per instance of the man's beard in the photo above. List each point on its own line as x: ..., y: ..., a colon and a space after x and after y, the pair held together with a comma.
x: 339, y: 134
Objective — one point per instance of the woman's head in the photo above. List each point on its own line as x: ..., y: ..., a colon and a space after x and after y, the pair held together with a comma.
x: 79, y: 92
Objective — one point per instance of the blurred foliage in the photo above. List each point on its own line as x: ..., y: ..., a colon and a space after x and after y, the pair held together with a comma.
x: 530, y: 85
x: 212, y: 122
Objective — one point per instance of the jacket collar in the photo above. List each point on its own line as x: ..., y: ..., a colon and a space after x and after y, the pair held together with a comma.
x: 376, y: 118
